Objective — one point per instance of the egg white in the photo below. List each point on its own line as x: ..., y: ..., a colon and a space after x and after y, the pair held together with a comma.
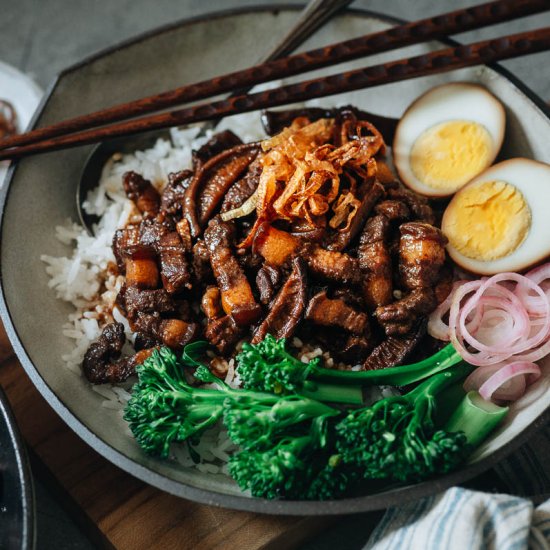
x: 454, y: 101
x: 532, y: 179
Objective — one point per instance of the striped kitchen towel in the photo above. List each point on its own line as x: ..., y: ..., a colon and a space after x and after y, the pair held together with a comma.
x: 462, y: 519
x: 467, y: 519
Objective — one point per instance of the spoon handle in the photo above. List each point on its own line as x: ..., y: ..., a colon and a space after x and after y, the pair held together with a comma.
x: 312, y: 17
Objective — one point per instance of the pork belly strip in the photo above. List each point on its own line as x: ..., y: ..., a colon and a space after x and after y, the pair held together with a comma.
x: 142, y: 193
x: 172, y: 196
x: 125, y: 241
x: 275, y: 246
x: 152, y: 230
x: 375, y: 262
x: 268, y: 280
x: 332, y: 266
x: 279, y: 247
x: 223, y: 333
x: 175, y: 271
x: 418, y: 206
x: 371, y: 196
x: 133, y: 301
x: 236, y: 293
x: 211, y: 303
x: 400, y: 316
x: 395, y: 349
x: 394, y: 210
x: 142, y: 270
x: 200, y: 263
x: 421, y: 254
x: 212, y: 180
x: 328, y: 312
x: 288, y: 306
x: 163, y: 236
x: 174, y: 333
x: 102, y: 363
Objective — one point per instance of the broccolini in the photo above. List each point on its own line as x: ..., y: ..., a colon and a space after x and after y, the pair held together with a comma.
x: 268, y: 366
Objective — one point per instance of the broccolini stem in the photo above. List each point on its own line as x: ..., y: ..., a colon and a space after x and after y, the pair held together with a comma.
x: 393, y: 376
x: 476, y: 418
x: 335, y: 393
x: 438, y: 382
x: 288, y: 410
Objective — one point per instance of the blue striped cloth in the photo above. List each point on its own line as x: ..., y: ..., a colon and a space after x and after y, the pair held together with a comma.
x: 468, y: 519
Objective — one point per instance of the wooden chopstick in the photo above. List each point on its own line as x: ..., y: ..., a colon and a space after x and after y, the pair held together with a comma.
x: 403, y: 35
x: 486, y: 51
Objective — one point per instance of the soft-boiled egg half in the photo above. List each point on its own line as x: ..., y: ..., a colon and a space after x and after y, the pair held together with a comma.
x: 500, y: 221
x: 447, y: 137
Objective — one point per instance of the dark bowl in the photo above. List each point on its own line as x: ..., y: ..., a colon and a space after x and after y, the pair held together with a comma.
x: 16, y: 490
x: 41, y: 195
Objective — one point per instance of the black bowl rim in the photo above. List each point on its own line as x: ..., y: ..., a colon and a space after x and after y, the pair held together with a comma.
x: 24, y: 479
x: 359, y: 504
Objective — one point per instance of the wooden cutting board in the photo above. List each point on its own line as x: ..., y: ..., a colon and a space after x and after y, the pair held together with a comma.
x: 117, y: 510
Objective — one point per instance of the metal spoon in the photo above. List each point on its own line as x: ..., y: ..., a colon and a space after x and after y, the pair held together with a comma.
x: 315, y: 14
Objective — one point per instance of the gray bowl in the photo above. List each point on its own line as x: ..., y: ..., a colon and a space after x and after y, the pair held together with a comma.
x: 40, y: 195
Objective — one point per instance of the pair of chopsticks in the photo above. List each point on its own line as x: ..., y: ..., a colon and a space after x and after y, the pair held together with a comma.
x: 91, y: 128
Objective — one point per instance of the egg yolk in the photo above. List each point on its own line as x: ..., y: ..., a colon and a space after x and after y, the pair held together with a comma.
x: 448, y: 155
x: 487, y: 220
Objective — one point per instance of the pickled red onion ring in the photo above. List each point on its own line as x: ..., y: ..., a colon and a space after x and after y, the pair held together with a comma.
x: 521, y: 325
x: 522, y: 332
x: 503, y: 382
x: 538, y: 275
x: 436, y: 326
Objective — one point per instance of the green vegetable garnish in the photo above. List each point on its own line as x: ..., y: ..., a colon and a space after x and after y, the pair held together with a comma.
x: 165, y: 409
x: 268, y: 366
x: 293, y: 446
x: 397, y: 438
x: 476, y: 418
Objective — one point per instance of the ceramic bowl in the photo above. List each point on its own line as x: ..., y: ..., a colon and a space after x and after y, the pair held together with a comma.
x: 17, y: 513
x: 41, y: 194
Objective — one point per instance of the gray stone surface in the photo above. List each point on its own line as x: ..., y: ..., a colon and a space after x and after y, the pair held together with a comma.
x: 42, y: 37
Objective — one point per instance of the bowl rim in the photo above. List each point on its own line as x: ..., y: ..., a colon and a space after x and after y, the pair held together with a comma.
x: 357, y: 504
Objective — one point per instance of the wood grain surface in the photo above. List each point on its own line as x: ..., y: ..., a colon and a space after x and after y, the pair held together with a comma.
x: 117, y: 510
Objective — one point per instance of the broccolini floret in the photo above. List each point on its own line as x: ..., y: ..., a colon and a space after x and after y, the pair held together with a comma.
x: 255, y: 425
x: 397, y: 438
x: 165, y: 408
x: 297, y: 466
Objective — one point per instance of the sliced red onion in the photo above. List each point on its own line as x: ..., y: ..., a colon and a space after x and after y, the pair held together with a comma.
x: 509, y: 391
x: 535, y: 354
x: 513, y: 307
x: 497, y: 327
x: 528, y: 371
x: 436, y: 326
x: 492, y: 293
x: 535, y: 305
x: 480, y: 358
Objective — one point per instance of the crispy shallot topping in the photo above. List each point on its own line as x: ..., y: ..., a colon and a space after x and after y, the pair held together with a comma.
x: 302, y: 173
